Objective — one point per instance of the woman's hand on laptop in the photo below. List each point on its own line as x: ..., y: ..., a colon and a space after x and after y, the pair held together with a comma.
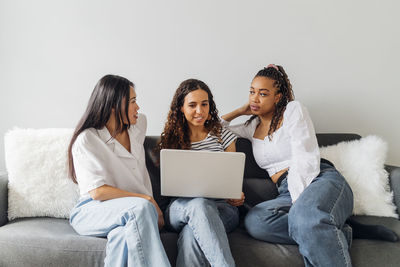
x: 236, y: 202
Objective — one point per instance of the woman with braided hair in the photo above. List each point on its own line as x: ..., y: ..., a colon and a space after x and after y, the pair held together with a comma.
x: 202, y: 223
x: 314, y: 199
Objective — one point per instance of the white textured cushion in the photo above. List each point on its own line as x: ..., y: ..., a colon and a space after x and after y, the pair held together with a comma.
x: 36, y: 162
x: 361, y: 162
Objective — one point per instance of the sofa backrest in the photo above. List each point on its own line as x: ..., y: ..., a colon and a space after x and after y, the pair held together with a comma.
x: 152, y: 164
x: 243, y: 145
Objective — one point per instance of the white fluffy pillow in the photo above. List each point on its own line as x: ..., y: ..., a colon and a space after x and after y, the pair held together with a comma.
x: 36, y: 162
x: 361, y: 162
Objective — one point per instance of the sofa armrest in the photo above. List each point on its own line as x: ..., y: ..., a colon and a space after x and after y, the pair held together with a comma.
x: 3, y: 199
x: 394, y: 178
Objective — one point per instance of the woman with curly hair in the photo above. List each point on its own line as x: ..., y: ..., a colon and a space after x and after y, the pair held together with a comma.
x: 202, y: 223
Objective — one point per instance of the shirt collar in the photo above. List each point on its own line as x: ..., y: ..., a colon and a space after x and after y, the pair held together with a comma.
x: 105, y: 135
x: 113, y: 144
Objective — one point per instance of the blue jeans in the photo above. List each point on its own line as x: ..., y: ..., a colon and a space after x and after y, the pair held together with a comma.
x: 130, y: 225
x: 316, y: 221
x: 202, y: 224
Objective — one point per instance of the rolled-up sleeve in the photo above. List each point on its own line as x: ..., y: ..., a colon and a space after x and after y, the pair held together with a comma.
x: 88, y: 163
x: 141, y: 126
x: 305, y: 161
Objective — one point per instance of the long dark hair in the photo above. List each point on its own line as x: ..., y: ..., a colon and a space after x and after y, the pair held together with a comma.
x: 108, y: 94
x: 282, y: 82
x: 176, y: 130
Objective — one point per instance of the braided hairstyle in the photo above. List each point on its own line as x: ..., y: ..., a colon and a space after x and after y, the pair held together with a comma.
x: 176, y: 134
x: 282, y: 82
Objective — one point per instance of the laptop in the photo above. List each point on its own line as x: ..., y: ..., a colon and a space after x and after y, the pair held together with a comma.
x: 188, y: 173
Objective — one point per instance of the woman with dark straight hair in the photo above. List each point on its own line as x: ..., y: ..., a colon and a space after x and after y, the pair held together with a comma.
x: 106, y: 159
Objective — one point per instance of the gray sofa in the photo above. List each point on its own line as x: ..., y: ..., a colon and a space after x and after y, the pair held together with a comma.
x: 52, y: 242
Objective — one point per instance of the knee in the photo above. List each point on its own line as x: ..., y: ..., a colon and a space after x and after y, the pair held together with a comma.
x: 252, y: 222
x: 251, y: 218
x: 201, y: 205
x: 305, y: 220
x: 327, y: 205
x: 257, y: 223
x: 142, y: 208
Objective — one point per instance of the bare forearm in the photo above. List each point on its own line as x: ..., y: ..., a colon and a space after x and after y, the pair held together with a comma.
x: 243, y: 110
x: 231, y: 147
x: 231, y: 115
x: 107, y: 192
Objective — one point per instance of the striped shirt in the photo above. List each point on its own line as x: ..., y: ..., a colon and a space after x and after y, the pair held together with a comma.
x: 212, y: 143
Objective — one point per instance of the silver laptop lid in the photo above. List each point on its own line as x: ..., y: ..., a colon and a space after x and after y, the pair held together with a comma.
x: 188, y: 173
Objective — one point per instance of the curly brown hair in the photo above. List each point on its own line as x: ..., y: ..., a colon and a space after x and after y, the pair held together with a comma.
x: 284, y: 86
x: 176, y: 134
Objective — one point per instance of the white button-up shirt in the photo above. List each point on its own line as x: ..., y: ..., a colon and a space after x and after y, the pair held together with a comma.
x: 100, y: 160
x: 294, y: 145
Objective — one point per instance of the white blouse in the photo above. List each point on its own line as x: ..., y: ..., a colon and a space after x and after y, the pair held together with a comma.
x: 100, y: 160
x: 294, y: 145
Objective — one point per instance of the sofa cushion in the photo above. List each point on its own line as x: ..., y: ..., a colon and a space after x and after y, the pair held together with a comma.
x: 367, y: 252
x: 36, y: 161
x: 48, y: 242
x: 251, y: 252
x: 361, y: 162
x: 53, y: 242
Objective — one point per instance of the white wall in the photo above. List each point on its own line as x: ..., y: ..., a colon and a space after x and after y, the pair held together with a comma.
x: 342, y: 57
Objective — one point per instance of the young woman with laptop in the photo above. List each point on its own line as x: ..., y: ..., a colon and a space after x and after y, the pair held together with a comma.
x: 202, y: 223
x: 314, y: 199
x: 107, y: 161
